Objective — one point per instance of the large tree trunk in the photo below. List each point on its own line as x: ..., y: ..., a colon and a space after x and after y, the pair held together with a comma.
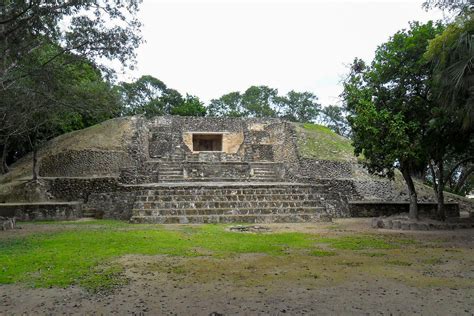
x: 463, y: 178
x: 3, y: 166
x: 35, y: 163
x: 413, y: 213
x: 439, y: 191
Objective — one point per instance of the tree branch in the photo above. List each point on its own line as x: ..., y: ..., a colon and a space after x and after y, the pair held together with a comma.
x: 453, y: 170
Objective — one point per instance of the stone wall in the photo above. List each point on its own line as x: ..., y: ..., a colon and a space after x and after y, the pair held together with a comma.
x: 283, y: 137
x: 83, y: 163
x: 389, y: 208
x: 41, y: 211
x: 325, y: 169
x: 236, y: 170
x: 112, y: 205
x: 79, y: 189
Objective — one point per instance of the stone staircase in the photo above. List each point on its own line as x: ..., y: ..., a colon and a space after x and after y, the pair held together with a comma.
x: 170, y: 172
x: 264, y: 172
x: 229, y: 203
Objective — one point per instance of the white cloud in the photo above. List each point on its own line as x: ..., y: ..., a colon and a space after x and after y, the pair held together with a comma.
x: 208, y: 48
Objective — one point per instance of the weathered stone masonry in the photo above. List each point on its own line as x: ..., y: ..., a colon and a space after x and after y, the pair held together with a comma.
x: 202, y: 170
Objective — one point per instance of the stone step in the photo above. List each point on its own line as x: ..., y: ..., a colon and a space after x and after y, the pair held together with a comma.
x: 273, y: 179
x: 229, y: 190
x: 202, y: 219
x: 171, y: 172
x: 231, y: 197
x: 229, y: 211
x: 223, y: 204
x: 264, y: 172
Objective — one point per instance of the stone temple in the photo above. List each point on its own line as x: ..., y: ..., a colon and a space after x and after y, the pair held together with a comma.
x: 199, y: 170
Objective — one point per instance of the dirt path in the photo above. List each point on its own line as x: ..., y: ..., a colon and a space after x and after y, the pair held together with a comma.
x: 157, y: 295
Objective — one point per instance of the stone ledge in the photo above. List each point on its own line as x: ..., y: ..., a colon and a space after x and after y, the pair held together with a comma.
x: 404, y: 223
x: 368, y: 208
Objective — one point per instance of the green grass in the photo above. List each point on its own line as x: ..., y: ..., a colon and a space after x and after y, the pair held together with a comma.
x: 358, y: 242
x: 319, y: 142
x: 84, y: 253
x: 72, y: 255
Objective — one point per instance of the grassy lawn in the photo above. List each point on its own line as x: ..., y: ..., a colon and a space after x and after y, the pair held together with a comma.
x: 86, y: 253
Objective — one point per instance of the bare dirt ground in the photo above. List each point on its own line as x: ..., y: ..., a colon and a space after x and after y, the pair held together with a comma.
x: 433, y: 277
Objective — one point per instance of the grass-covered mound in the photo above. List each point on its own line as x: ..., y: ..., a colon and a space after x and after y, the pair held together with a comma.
x: 113, y: 135
x: 319, y: 142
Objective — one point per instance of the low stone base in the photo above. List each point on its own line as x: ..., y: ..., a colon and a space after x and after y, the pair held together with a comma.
x: 404, y: 223
x: 368, y: 208
x: 41, y: 211
x: 7, y: 223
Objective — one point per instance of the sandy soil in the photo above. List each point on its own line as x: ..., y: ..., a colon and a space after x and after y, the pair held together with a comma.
x: 254, y: 284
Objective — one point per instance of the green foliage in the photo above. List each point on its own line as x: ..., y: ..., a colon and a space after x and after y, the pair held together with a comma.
x: 191, y: 106
x: 50, y: 76
x: 452, y: 55
x: 259, y: 101
x: 229, y: 105
x: 143, y: 96
x: 388, y: 102
x: 334, y: 118
x: 299, y: 106
x: 262, y: 101
x: 150, y: 96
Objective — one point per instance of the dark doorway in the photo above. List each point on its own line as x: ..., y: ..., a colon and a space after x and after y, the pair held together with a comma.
x: 207, y: 142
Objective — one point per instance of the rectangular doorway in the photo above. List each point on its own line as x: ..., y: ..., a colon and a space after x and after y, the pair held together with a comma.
x: 207, y: 142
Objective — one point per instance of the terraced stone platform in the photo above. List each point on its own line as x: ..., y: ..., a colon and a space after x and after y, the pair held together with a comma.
x: 228, y: 203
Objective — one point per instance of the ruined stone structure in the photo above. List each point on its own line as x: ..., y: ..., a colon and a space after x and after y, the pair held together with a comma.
x: 198, y: 170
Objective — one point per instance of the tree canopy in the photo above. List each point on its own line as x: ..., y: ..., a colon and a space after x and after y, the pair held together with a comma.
x: 389, y: 105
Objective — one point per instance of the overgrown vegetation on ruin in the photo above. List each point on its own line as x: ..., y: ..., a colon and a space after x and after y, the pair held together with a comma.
x: 320, y: 142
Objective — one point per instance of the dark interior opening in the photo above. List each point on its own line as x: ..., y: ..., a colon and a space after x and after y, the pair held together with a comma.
x: 207, y: 142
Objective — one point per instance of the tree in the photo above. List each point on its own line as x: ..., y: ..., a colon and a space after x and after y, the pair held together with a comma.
x: 262, y: 101
x: 229, y: 105
x: 259, y: 101
x: 299, y: 106
x: 151, y: 97
x: 39, y: 40
x: 389, y: 105
x: 67, y: 94
x: 143, y: 96
x: 191, y: 106
x: 456, y: 6
x: 451, y: 56
x: 86, y: 28
x: 334, y: 118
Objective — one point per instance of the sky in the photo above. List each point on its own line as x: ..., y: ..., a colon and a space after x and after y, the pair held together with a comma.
x: 210, y: 48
